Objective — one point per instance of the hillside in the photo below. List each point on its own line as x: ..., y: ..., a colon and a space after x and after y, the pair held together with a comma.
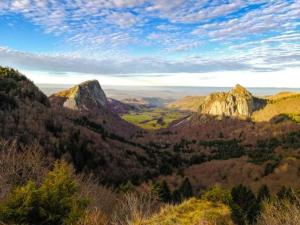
x: 95, y: 139
x: 192, y: 212
x: 97, y: 142
x: 189, y: 103
x: 287, y: 104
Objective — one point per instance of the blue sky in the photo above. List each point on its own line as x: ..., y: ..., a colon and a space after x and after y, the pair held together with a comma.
x: 157, y: 42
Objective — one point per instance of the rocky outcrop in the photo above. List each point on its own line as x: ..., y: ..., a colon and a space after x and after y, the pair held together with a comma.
x: 87, y: 96
x: 238, y: 102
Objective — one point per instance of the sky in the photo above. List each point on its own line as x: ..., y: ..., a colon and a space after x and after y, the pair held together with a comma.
x: 153, y: 42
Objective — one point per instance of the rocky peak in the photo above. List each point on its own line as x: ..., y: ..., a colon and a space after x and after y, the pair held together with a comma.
x: 85, y: 96
x: 238, y: 102
x: 240, y: 91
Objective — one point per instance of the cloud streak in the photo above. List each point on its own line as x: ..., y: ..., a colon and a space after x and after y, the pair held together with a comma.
x: 146, y: 65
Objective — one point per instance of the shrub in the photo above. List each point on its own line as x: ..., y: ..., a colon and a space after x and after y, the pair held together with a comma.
x: 218, y: 195
x: 55, y: 202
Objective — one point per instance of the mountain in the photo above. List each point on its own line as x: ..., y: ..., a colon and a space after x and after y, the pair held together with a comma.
x: 146, y: 102
x: 189, y: 103
x: 96, y: 141
x: 238, y: 102
x: 87, y: 96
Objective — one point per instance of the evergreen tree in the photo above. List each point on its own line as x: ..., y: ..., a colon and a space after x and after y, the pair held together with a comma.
x: 176, y: 196
x: 263, y: 193
x: 245, y: 207
x: 186, y: 189
x: 55, y: 202
x: 164, y: 192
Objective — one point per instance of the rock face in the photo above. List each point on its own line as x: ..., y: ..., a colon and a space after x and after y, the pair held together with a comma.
x: 87, y: 96
x: 238, y: 102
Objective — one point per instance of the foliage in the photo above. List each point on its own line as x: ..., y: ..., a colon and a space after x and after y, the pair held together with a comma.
x: 186, y: 189
x: 15, y: 85
x: 224, y: 149
x: 245, y: 207
x: 279, y: 212
x: 286, y: 193
x: 270, y: 167
x: 263, y: 194
x: 126, y: 187
x: 55, y: 202
x: 218, y: 195
x: 192, y: 212
x: 162, y: 190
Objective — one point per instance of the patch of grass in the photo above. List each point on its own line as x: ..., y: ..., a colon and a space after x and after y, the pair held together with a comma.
x: 192, y: 212
x: 154, y: 119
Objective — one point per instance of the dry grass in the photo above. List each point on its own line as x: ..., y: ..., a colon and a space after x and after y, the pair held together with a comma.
x: 280, y: 213
x: 94, y: 217
x: 192, y: 212
x: 135, y: 208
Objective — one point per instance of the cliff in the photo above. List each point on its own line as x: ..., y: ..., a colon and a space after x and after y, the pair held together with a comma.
x: 87, y: 96
x: 238, y: 102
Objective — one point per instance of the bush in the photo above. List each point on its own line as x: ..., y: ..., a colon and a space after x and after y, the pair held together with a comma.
x: 55, y: 202
x: 218, y: 195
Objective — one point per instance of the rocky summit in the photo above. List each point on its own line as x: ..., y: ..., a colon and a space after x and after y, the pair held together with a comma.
x: 238, y: 102
x: 85, y: 96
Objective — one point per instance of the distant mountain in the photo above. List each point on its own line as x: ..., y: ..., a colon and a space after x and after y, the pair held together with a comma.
x: 146, y: 102
x: 120, y: 107
x: 189, y: 103
x: 238, y: 102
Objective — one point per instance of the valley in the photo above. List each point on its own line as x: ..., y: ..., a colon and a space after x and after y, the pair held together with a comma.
x: 137, y: 143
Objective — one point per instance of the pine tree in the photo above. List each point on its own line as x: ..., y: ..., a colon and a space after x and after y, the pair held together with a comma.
x: 245, y: 207
x: 164, y: 193
x: 186, y: 189
x: 176, y: 196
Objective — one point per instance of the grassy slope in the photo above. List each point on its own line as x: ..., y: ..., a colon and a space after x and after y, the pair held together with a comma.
x: 192, y: 212
x: 191, y: 103
x: 149, y: 119
x: 283, y: 103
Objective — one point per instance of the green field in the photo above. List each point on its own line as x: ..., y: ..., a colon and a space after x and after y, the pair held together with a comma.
x: 154, y: 119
